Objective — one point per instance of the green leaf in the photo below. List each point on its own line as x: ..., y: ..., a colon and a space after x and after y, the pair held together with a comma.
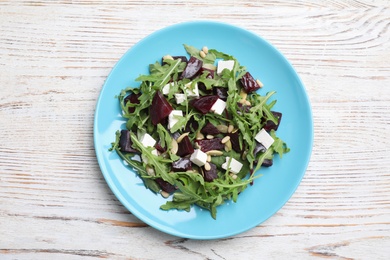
x: 185, y: 205
x: 160, y: 168
x: 192, y: 51
x: 180, y: 124
x: 164, y: 137
x: 278, y: 145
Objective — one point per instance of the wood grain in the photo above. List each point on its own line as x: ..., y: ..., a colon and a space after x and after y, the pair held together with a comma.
x: 54, y: 58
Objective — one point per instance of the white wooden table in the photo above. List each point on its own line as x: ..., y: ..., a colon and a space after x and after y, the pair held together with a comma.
x: 54, y: 58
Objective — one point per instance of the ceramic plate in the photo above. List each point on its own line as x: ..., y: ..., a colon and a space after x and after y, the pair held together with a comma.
x: 268, y: 193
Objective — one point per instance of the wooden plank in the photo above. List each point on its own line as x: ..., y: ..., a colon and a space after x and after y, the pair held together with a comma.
x: 54, y: 58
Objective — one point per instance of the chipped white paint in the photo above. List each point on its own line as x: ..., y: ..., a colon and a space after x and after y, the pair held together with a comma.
x: 54, y: 58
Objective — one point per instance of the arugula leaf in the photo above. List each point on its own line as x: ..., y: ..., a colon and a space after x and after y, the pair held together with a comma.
x: 192, y: 51
x: 156, y: 162
x: 164, y: 137
x: 182, y: 122
x: 279, y: 146
x: 209, y: 83
x: 221, y: 55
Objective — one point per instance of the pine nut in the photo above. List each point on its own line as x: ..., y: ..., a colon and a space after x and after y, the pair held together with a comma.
x: 222, y: 128
x: 214, y: 153
x: 243, y: 94
x: 181, y: 137
x: 174, y: 146
x: 230, y: 128
x: 164, y: 194
x: 260, y: 83
x: 228, y: 146
x: 205, y: 49
x: 207, y: 166
x: 225, y: 139
x: 202, y: 54
x: 167, y: 57
x: 209, y: 136
x: 199, y: 136
x: 247, y: 103
x: 208, y: 158
x: 150, y: 171
x: 234, y: 176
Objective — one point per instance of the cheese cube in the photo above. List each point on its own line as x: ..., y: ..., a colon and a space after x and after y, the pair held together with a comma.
x: 219, y: 106
x: 166, y: 88
x: 224, y: 64
x: 235, y: 166
x: 192, y: 92
x: 198, y: 157
x: 147, y: 140
x: 173, y: 117
x: 264, y: 138
x: 180, y: 98
x: 155, y: 152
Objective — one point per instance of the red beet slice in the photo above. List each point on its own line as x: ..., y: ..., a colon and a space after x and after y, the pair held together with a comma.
x: 160, y: 148
x: 211, y: 174
x: 209, y: 129
x: 221, y: 92
x: 249, y: 83
x: 160, y: 108
x: 267, y: 163
x: 133, y: 99
x: 192, y: 69
x: 204, y: 104
x: 269, y: 125
x: 165, y: 186
x: 234, y: 139
x: 182, y: 165
x: 211, y: 144
x: 259, y: 148
x: 125, y: 142
x: 185, y: 147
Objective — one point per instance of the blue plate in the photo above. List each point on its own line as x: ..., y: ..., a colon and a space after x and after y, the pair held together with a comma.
x: 268, y: 193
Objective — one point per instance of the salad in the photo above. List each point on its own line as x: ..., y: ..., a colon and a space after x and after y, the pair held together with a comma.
x: 197, y: 130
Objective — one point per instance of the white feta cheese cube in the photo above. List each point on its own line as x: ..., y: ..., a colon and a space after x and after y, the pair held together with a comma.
x: 173, y: 117
x: 224, y: 64
x: 219, y: 106
x: 235, y: 166
x: 167, y: 88
x: 198, y: 157
x: 264, y: 138
x: 192, y: 91
x: 180, y: 98
x: 147, y: 140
